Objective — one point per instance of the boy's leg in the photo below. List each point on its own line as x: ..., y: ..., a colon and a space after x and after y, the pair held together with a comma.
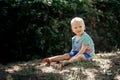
x: 79, y: 57
x: 59, y: 58
x: 73, y: 59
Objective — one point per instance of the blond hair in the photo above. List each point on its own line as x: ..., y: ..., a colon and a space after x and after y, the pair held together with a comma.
x: 78, y: 19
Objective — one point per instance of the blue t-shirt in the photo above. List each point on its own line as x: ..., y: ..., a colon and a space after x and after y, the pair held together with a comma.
x: 85, y: 39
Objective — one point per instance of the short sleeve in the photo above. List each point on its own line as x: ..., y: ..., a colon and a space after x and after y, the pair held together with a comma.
x: 86, y: 41
x: 73, y: 40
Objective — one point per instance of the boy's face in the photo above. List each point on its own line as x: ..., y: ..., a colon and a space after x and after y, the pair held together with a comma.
x: 77, y: 28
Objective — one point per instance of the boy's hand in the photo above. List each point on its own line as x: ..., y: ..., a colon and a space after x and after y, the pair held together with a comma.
x: 88, y: 50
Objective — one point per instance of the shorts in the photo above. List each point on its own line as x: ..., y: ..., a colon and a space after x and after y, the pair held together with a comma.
x: 73, y: 53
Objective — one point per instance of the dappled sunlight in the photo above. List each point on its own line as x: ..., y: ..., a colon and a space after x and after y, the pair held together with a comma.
x: 23, y: 64
x: 108, y: 55
x: 91, y: 73
x: 65, y: 71
x: 117, y: 77
x: 19, y: 67
x: 74, y: 68
x: 48, y: 69
x: 69, y: 69
x: 13, y: 69
x: 103, y: 63
x: 100, y: 68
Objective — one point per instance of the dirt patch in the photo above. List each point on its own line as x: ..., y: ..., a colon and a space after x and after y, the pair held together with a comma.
x: 105, y: 66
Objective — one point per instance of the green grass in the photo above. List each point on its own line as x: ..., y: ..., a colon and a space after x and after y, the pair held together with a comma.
x: 85, y: 64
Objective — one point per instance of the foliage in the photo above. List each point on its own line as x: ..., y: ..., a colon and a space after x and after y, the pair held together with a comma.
x: 31, y: 29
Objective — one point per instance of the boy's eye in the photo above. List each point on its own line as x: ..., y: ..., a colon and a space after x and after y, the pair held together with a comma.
x: 75, y: 27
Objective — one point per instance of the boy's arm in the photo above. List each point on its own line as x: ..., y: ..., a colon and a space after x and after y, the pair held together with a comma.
x: 72, y: 50
x: 83, y: 49
x: 76, y: 57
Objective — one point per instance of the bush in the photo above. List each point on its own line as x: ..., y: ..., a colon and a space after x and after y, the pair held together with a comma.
x: 41, y: 28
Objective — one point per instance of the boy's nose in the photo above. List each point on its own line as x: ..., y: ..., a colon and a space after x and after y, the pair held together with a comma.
x: 78, y: 29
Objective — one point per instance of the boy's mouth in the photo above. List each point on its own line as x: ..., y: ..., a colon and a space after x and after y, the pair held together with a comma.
x: 79, y: 32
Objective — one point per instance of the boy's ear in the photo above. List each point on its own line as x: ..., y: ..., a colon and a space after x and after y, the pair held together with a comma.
x: 72, y: 31
x: 84, y: 28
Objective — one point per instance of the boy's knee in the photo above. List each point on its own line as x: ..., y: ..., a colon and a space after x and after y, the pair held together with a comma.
x: 67, y: 56
x: 81, y: 57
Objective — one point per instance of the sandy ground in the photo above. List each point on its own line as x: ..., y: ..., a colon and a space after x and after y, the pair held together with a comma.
x: 105, y: 66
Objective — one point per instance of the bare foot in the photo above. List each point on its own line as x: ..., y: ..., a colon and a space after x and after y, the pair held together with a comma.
x: 47, y: 60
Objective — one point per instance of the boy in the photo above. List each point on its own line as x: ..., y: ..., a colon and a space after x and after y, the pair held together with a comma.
x: 82, y: 45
